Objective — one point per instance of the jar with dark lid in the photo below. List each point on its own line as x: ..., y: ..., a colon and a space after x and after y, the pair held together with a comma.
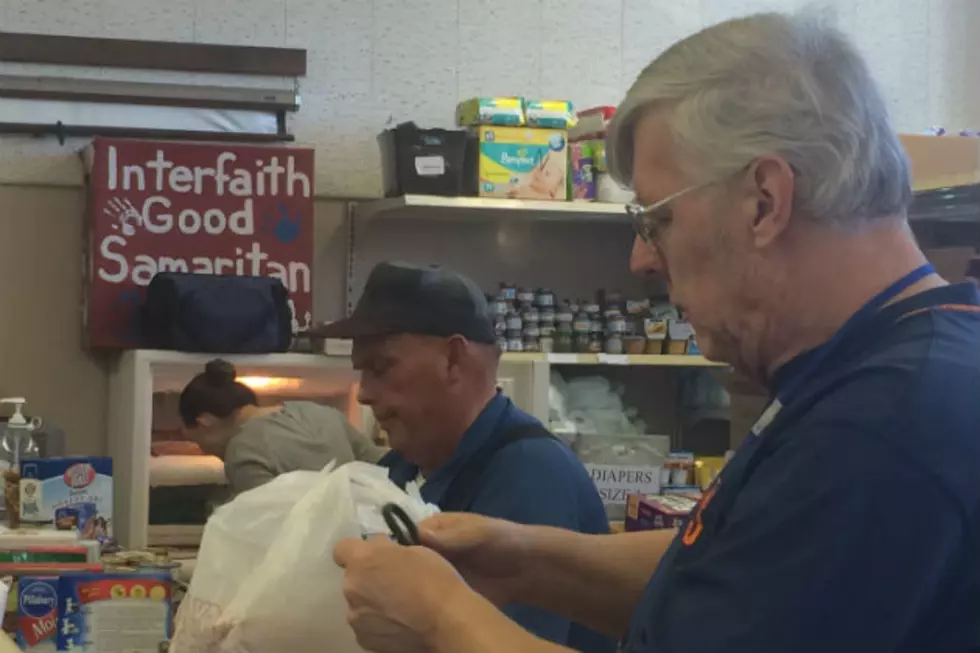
x: 530, y: 315
x: 531, y: 343
x: 515, y: 344
x: 547, y: 343
x: 547, y: 329
x: 508, y: 291
x: 531, y: 330
x: 615, y: 322
x: 595, y: 324
x: 525, y: 296
x: 581, y: 344
x: 514, y: 322
x: 547, y: 315
x: 582, y: 323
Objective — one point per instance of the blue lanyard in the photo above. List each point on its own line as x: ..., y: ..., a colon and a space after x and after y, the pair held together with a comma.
x: 820, y: 356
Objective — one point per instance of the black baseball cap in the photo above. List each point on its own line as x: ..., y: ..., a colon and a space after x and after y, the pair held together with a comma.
x: 425, y: 300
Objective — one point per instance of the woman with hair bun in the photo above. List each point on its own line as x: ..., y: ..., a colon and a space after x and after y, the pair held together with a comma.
x: 258, y: 443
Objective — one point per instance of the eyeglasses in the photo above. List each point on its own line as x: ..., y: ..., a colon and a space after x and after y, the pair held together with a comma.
x: 652, y: 220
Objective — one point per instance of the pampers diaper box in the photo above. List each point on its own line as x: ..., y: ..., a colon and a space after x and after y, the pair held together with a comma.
x: 522, y: 163
x: 71, y: 494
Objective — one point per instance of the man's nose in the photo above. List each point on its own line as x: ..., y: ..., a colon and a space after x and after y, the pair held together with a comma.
x: 644, y: 259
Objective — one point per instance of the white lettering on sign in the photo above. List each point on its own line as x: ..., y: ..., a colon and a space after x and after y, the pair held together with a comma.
x: 160, y: 175
x: 117, y: 268
x: 616, y: 482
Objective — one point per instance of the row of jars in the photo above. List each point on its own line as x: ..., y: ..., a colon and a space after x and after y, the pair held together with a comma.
x: 529, y: 320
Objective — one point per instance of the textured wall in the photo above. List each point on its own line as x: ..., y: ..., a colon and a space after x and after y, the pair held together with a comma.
x: 377, y: 62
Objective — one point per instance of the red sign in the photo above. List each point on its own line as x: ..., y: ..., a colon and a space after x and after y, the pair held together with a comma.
x: 190, y: 207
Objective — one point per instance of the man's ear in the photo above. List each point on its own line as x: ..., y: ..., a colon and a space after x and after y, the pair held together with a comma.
x: 456, y: 350
x: 773, y: 184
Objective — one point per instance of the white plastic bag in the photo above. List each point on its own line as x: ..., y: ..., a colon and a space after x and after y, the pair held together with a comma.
x: 265, y: 577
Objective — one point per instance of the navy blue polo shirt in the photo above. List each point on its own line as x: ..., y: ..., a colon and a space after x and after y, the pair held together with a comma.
x: 532, y: 481
x: 853, y: 522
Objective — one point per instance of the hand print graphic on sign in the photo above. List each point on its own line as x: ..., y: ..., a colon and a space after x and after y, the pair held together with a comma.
x: 192, y: 207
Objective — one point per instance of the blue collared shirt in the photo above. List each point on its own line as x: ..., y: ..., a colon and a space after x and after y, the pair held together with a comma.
x: 533, y: 481
x: 853, y: 522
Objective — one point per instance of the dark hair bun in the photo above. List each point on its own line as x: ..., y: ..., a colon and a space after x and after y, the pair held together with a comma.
x: 220, y: 372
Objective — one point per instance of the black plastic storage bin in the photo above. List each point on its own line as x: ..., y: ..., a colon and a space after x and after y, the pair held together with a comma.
x: 423, y: 161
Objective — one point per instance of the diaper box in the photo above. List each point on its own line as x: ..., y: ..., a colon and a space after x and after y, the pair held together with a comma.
x: 69, y: 494
x: 522, y: 163
x: 114, y: 612
x: 37, y: 613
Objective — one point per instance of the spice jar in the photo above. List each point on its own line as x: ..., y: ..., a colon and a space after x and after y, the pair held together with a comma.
x: 508, y: 292
x: 515, y: 343
x: 531, y: 343
x: 615, y: 321
x: 525, y: 296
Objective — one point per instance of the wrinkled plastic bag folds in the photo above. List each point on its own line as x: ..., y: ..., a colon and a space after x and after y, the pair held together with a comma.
x: 265, y: 580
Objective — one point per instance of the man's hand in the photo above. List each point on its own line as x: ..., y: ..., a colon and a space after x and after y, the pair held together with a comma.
x: 397, y: 595
x: 490, y: 553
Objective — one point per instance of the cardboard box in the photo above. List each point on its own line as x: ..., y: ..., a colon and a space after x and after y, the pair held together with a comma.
x: 942, y: 161
x: 655, y: 512
x: 72, y: 494
x: 522, y: 163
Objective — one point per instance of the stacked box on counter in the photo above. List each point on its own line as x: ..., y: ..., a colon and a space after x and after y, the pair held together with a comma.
x: 68, y: 494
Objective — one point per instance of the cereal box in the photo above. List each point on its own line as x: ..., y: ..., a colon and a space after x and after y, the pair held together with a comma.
x: 523, y: 163
x: 37, y: 613
x: 114, y: 612
x: 70, y: 494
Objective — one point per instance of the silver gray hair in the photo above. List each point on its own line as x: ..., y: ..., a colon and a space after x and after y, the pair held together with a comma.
x: 793, y: 86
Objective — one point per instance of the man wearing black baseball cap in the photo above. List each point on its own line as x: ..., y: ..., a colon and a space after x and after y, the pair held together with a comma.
x: 425, y: 345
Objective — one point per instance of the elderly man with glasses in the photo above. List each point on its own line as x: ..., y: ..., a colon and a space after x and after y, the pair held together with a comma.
x: 772, y: 196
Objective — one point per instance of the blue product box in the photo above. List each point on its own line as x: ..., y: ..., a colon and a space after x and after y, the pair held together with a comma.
x: 114, y: 612
x: 72, y: 494
x: 37, y: 613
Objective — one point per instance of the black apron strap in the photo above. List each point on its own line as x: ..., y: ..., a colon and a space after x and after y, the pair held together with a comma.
x: 459, y: 495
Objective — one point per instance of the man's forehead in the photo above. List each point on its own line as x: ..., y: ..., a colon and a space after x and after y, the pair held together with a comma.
x: 656, y: 166
x: 395, y: 344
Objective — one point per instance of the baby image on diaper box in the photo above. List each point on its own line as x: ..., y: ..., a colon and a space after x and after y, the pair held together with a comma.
x: 523, y: 163
x: 70, y: 494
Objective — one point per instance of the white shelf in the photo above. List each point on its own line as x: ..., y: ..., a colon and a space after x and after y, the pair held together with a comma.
x: 438, y: 207
x: 663, y: 360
